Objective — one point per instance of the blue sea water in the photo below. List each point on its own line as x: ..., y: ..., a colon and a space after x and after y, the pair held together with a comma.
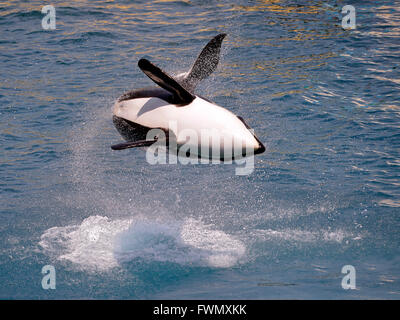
x: 326, y: 193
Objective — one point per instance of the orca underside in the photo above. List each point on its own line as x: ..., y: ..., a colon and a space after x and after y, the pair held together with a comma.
x: 134, y: 132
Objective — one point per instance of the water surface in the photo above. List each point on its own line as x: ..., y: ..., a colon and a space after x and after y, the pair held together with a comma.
x: 325, y: 194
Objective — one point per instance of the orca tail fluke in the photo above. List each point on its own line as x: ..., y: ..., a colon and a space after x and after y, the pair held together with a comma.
x: 205, y: 64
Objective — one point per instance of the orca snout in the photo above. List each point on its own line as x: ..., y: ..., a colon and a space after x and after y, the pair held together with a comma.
x: 259, y: 149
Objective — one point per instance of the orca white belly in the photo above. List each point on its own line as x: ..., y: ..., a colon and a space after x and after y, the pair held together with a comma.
x: 191, y: 122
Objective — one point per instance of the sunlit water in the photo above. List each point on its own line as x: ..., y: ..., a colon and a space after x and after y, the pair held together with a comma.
x: 325, y: 194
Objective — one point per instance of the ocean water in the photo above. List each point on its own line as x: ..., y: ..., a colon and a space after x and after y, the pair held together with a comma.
x: 325, y: 194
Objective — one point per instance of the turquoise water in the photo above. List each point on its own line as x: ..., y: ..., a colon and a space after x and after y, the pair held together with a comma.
x: 325, y: 194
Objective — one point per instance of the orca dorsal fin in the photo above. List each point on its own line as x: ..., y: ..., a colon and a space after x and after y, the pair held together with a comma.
x: 205, y: 64
x: 165, y: 81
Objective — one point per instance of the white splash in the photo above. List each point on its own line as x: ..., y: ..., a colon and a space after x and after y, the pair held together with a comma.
x: 100, y: 244
x: 89, y: 245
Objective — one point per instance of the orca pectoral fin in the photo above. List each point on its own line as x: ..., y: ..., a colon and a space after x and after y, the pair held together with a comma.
x: 165, y: 81
x: 205, y: 64
x: 133, y: 144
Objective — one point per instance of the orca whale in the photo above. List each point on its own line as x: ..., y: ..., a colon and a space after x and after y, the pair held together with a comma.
x: 173, y: 108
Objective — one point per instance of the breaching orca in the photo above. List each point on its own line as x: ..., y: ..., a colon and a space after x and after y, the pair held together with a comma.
x: 180, y: 114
